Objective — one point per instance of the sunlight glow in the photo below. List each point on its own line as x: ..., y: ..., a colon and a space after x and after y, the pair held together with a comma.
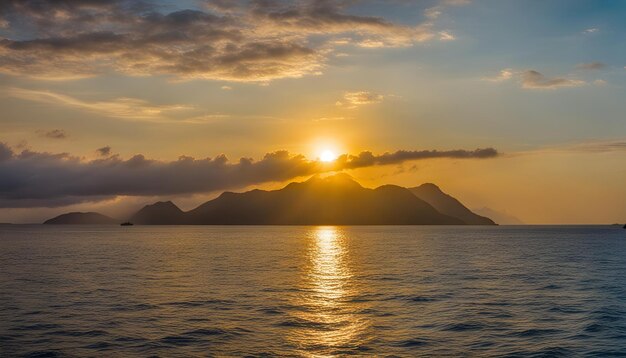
x: 327, y: 156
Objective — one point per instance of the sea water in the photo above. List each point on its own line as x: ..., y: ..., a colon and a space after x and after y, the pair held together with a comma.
x: 312, y: 291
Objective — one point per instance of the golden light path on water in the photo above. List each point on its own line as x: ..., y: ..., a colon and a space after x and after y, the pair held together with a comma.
x: 328, y: 321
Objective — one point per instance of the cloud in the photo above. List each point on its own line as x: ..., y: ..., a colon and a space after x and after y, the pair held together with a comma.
x: 535, y: 80
x: 446, y: 36
x: 433, y: 12
x: 592, y: 147
x: 607, y: 146
x: 504, y: 75
x: 39, y: 179
x: 249, y: 41
x: 436, y: 11
x: 5, y: 152
x: 327, y: 17
x: 367, y: 159
x: 591, y: 66
x: 330, y: 119
x: 591, y: 30
x: 353, y: 100
x: 104, y: 151
x: 456, y: 2
x: 54, y: 134
x: 532, y: 79
x: 124, y: 108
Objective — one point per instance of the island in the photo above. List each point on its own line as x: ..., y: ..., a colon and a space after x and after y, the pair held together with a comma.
x: 333, y: 200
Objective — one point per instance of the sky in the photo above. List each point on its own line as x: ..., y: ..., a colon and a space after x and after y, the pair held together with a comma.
x: 514, y: 106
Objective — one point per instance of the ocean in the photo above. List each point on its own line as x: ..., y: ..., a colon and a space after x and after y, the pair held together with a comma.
x: 312, y: 291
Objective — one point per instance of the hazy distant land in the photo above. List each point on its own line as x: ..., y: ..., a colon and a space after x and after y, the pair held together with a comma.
x: 501, y: 217
x: 334, y: 200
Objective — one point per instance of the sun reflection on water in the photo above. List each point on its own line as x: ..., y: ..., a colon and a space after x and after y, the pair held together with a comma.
x: 329, y: 319
x: 329, y: 272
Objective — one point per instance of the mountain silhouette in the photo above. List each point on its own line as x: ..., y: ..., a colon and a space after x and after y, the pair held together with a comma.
x: 81, y: 219
x: 333, y: 200
x: 160, y: 213
x: 448, y: 205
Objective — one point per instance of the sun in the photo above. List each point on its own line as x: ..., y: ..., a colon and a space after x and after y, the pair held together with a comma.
x: 327, y: 156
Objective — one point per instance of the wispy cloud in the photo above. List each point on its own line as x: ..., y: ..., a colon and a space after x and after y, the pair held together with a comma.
x: 352, y: 100
x: 446, y: 36
x: 53, y: 134
x: 591, y: 30
x: 589, y: 147
x: 124, y: 108
x: 532, y: 79
x: 591, y: 66
x: 504, y: 75
x: 456, y: 2
x: 331, y: 119
x: 433, y: 13
x: 607, y: 146
x: 535, y: 80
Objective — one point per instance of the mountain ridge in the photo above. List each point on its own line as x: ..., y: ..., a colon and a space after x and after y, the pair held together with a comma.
x: 332, y: 200
x: 81, y: 218
x: 448, y: 205
x: 335, y: 200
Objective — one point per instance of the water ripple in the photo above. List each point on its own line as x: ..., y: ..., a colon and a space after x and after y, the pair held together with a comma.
x: 312, y: 291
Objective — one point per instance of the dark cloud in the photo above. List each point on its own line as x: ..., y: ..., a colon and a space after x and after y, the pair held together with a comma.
x: 44, y: 179
x: 367, y: 159
x: 257, y: 40
x: 104, y: 151
x: 321, y: 15
x: 5, y: 152
x: 54, y: 134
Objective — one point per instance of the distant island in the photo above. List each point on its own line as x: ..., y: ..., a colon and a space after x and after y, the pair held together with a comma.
x: 334, y: 200
x: 81, y: 219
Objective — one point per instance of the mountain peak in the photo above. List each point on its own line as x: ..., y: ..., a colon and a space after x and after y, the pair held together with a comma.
x: 429, y: 186
x: 339, y: 179
x: 163, y: 204
x: 448, y: 205
x: 161, y: 212
x: 76, y: 218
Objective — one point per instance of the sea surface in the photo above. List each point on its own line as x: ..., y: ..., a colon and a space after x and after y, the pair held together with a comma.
x: 184, y: 291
